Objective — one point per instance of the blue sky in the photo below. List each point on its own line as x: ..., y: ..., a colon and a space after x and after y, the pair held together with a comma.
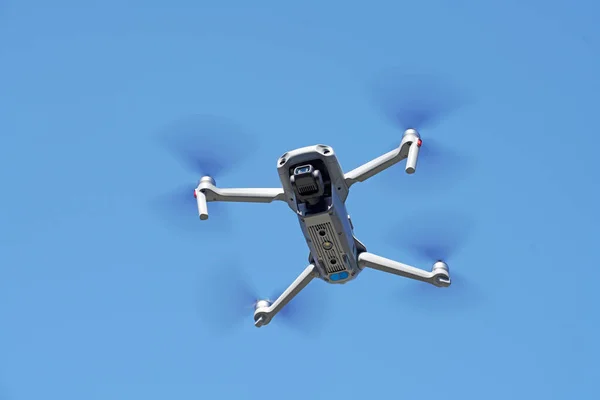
x: 99, y: 295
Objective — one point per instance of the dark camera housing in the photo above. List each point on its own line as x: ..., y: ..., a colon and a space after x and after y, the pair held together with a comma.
x: 308, y: 184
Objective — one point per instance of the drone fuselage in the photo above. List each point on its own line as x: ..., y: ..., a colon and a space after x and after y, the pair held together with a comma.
x: 316, y: 191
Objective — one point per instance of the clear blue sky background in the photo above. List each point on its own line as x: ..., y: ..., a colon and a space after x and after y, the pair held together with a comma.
x: 99, y: 296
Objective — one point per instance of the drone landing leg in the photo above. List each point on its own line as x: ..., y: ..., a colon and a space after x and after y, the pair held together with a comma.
x: 437, y: 277
x: 264, y: 314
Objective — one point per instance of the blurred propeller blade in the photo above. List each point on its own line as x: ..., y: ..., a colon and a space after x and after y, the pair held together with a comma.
x: 436, y: 236
x: 430, y: 237
x: 306, y: 312
x: 227, y: 298
x: 207, y: 145
x: 420, y: 101
x: 415, y: 100
x: 438, y: 168
x: 433, y: 236
x: 462, y: 295
x: 180, y: 211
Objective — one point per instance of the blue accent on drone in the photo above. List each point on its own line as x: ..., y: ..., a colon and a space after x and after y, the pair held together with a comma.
x: 340, y: 276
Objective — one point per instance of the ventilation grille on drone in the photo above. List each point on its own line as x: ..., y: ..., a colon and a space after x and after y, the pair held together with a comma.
x: 332, y: 258
x: 307, y: 189
x: 335, y: 268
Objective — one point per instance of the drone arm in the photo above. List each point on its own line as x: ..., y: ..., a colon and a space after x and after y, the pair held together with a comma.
x: 244, y: 195
x: 438, y: 277
x: 207, y: 192
x: 264, y: 315
x: 408, y: 149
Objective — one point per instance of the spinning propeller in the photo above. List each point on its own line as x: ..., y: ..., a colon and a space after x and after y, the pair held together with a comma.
x: 207, y: 145
x: 420, y: 101
x: 228, y: 298
x: 429, y: 238
x: 204, y: 145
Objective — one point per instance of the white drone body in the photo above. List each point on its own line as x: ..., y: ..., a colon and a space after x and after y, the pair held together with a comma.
x: 315, y: 188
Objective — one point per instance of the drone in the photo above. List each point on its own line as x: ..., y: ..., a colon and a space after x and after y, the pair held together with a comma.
x: 316, y: 189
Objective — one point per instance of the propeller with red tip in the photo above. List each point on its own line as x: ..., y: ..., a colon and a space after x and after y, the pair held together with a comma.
x: 420, y: 101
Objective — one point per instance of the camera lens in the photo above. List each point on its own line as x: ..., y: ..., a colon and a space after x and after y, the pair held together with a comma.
x: 302, y: 170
